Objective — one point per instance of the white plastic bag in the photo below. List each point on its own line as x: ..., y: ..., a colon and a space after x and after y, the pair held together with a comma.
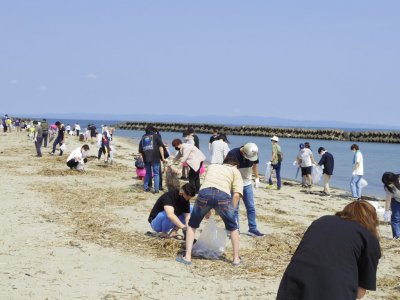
x: 211, y: 242
x: 363, y: 183
x: 316, y: 174
x: 268, y: 171
x: 63, y: 147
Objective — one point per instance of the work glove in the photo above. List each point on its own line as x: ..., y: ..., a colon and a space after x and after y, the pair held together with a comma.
x: 386, y: 216
x: 257, y: 184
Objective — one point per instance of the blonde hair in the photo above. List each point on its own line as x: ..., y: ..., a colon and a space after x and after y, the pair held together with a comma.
x: 362, y: 212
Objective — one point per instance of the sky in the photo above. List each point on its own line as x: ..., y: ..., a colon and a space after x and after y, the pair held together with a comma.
x: 302, y: 60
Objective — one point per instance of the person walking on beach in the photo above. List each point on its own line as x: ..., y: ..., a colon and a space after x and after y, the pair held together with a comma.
x: 78, y: 156
x: 151, y: 149
x: 37, y: 138
x: 219, y: 149
x: 60, y: 139
x: 171, y: 211
x: 221, y: 190
x: 45, y: 129
x: 327, y: 162
x: 358, y: 172
x: 104, y: 147
x: 247, y: 155
x: 305, y: 160
x: 391, y: 183
x: 337, y: 257
x: 193, y: 157
x: 276, y: 160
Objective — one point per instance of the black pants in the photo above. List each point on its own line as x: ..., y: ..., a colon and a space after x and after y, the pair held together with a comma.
x: 38, y: 145
x: 194, y: 178
x: 72, y: 163
x: 45, y: 136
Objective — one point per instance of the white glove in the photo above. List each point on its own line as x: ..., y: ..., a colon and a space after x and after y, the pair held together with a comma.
x: 257, y: 184
x: 386, y: 216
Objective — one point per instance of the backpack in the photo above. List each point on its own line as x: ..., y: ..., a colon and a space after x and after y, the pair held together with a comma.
x: 280, y: 156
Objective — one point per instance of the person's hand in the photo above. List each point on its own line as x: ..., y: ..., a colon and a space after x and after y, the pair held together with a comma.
x: 354, y: 173
x: 208, y: 215
x: 257, y: 184
x: 386, y: 216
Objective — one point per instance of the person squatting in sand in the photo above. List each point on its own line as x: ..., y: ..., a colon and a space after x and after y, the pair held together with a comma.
x: 78, y: 156
x: 337, y: 257
x: 171, y: 211
x: 221, y: 190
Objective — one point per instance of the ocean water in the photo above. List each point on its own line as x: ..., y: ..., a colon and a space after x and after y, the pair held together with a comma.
x: 378, y: 158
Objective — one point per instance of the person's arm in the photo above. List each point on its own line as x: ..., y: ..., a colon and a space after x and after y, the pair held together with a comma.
x: 169, y: 210
x: 255, y: 171
x: 361, y: 292
x: 322, y: 160
x: 235, y: 200
x: 312, y: 159
x: 187, y: 217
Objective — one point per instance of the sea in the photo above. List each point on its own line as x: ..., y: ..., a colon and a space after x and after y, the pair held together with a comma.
x: 378, y: 157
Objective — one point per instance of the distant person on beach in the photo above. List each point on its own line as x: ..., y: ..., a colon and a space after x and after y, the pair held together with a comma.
x: 92, y: 128
x: 305, y: 160
x: 213, y: 138
x: 104, y: 147
x: 337, y: 257
x: 3, y: 123
x: 77, y: 129
x: 37, y: 138
x: 276, y: 161
x: 196, y: 139
x: 193, y: 157
x: 247, y: 155
x: 391, y: 183
x: 9, y: 124
x: 219, y: 149
x: 221, y: 190
x: 17, y: 125
x: 152, y: 151
x: 358, y: 172
x: 327, y: 162
x: 53, y: 132
x: 60, y: 139
x: 68, y: 128
x: 45, y: 129
x: 171, y: 211
x: 187, y: 139
x: 78, y: 156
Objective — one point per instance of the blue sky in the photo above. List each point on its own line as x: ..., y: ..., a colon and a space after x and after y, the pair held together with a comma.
x: 304, y: 60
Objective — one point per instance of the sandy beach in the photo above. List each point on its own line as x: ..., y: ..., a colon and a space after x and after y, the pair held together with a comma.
x: 81, y: 235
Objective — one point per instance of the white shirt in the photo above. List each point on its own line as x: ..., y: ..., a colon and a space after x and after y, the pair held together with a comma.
x: 359, y: 159
x: 219, y: 149
x: 77, y: 155
x: 305, y: 156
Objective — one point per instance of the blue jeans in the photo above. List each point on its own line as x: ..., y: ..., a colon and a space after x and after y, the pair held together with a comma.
x: 277, y: 168
x: 395, y: 219
x: 56, y: 142
x: 355, y: 186
x: 248, y: 199
x: 155, y: 167
x: 162, y: 223
x: 209, y: 198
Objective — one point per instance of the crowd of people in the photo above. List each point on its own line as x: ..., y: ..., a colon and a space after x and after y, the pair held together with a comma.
x: 338, y: 254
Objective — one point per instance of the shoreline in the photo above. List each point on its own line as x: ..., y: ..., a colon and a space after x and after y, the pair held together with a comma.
x: 64, y: 229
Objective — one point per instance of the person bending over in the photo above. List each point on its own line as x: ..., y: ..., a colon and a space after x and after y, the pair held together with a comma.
x: 172, y: 211
x: 78, y: 156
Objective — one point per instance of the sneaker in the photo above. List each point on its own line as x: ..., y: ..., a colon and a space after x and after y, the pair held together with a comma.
x: 255, y: 233
x: 51, y: 153
x: 147, y: 190
x: 269, y: 186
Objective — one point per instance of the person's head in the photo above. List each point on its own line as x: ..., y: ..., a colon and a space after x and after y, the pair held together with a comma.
x: 274, y: 139
x: 85, y: 148
x: 223, y: 137
x: 215, y: 131
x: 190, y: 130
x: 321, y: 150
x: 176, y: 143
x: 185, y: 133
x: 187, y: 191
x: 58, y: 123
x: 44, y: 120
x: 35, y: 122
x: 354, y: 147
x: 307, y: 145
x: 149, y: 129
x: 301, y: 146
x: 250, y: 151
x: 362, y: 212
x: 231, y: 160
x: 391, y: 180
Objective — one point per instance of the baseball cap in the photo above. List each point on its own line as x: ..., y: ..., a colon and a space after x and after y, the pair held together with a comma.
x: 301, y: 146
x: 250, y: 151
x: 275, y: 138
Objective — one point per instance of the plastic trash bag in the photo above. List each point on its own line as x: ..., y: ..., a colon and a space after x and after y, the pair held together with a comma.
x: 211, y: 242
x: 268, y: 171
x: 316, y: 174
x: 363, y: 183
x: 63, y: 147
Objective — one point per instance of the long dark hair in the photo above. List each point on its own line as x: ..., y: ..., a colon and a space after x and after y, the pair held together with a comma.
x: 389, y: 180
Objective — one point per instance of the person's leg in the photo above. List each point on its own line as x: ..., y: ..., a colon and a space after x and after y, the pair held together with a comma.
x: 56, y: 141
x: 235, y: 245
x: 61, y: 152
x: 358, y: 187
x: 156, y: 175
x: 354, y: 187
x: 147, y: 177
x: 159, y: 221
x: 194, y: 178
x: 277, y: 169
x: 99, y: 153
x: 248, y: 199
x: 395, y: 218
x: 160, y: 179
x: 39, y: 140
x: 72, y: 164
x: 326, y: 183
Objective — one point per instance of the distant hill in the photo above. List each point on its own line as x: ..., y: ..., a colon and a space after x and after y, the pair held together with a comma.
x: 214, y: 119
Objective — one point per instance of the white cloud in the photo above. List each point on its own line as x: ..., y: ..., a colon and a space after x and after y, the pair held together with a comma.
x: 14, y: 81
x: 42, y: 88
x: 91, y: 76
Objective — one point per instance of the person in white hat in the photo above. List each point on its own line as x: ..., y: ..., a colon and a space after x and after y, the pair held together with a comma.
x: 275, y: 161
x: 247, y: 156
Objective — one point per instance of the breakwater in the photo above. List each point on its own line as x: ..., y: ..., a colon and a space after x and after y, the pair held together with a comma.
x: 265, y: 131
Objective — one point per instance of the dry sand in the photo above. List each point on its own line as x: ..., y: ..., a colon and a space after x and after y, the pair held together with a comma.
x: 81, y: 235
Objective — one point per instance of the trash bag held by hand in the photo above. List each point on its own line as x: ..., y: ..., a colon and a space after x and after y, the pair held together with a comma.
x: 211, y: 242
x: 63, y: 147
x: 363, y: 183
x: 316, y: 174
